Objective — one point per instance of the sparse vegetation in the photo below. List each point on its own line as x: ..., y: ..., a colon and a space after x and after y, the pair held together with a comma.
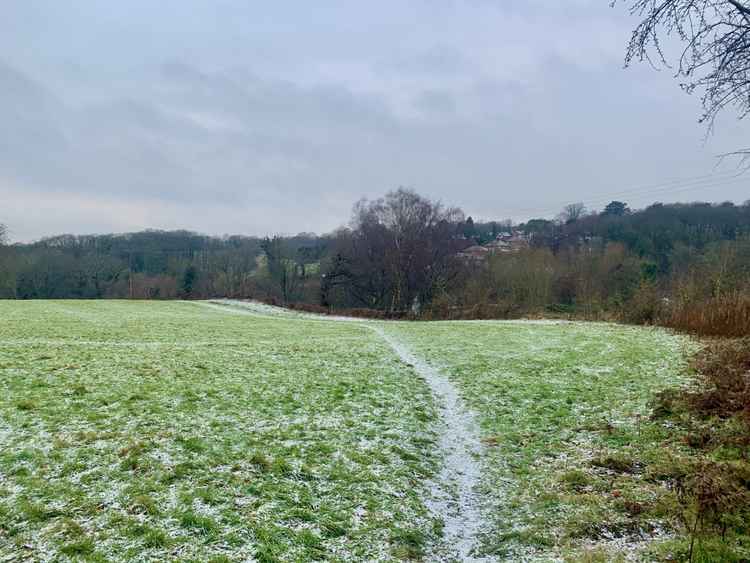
x: 714, y: 484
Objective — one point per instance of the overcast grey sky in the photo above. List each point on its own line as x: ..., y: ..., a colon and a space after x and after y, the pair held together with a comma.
x: 251, y: 117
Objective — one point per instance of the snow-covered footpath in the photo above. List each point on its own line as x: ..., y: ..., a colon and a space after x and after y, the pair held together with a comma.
x: 454, y: 496
x: 455, y: 499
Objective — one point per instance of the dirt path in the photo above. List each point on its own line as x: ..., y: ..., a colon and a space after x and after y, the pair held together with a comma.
x: 453, y: 494
x: 455, y: 499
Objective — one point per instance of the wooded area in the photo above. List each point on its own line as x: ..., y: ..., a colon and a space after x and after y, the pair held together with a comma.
x: 407, y: 255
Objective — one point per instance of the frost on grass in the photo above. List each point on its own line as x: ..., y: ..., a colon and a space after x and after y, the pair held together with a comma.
x: 168, y: 431
x: 173, y: 431
x: 564, y: 418
x: 454, y: 498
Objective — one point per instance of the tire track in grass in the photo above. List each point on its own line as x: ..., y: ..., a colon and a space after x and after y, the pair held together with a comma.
x: 454, y: 496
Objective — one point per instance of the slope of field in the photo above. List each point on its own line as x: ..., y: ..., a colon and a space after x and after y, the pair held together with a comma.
x: 175, y: 431
x: 571, y: 467
x: 233, y: 431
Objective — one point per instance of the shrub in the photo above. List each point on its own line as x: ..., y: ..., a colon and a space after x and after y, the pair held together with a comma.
x: 309, y: 308
x: 645, y: 307
x: 715, y: 500
x: 725, y: 368
x: 727, y: 315
x: 713, y: 486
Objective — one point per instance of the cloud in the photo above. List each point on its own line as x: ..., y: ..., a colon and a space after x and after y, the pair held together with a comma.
x: 437, y: 60
x: 436, y: 102
x: 277, y: 118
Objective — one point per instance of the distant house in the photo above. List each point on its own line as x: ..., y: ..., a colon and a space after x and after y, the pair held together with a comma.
x: 509, y: 242
x: 474, y: 253
x: 505, y: 242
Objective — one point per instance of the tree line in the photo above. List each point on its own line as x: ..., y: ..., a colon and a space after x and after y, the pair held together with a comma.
x: 144, y: 265
x: 402, y: 255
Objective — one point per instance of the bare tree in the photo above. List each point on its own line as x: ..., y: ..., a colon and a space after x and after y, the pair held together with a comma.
x: 3, y: 234
x: 285, y: 273
x: 400, y: 248
x: 572, y: 213
x: 715, y: 56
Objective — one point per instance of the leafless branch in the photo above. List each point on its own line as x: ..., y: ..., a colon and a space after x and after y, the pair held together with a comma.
x: 716, y: 57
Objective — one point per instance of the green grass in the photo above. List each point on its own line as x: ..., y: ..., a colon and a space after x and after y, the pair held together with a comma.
x: 564, y: 415
x: 184, y: 432
x: 173, y: 431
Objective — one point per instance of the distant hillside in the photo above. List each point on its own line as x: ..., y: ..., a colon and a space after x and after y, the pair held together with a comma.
x: 406, y: 254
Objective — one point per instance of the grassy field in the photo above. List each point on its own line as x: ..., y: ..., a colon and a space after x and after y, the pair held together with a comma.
x: 175, y: 431
x: 572, y: 459
x: 185, y: 431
